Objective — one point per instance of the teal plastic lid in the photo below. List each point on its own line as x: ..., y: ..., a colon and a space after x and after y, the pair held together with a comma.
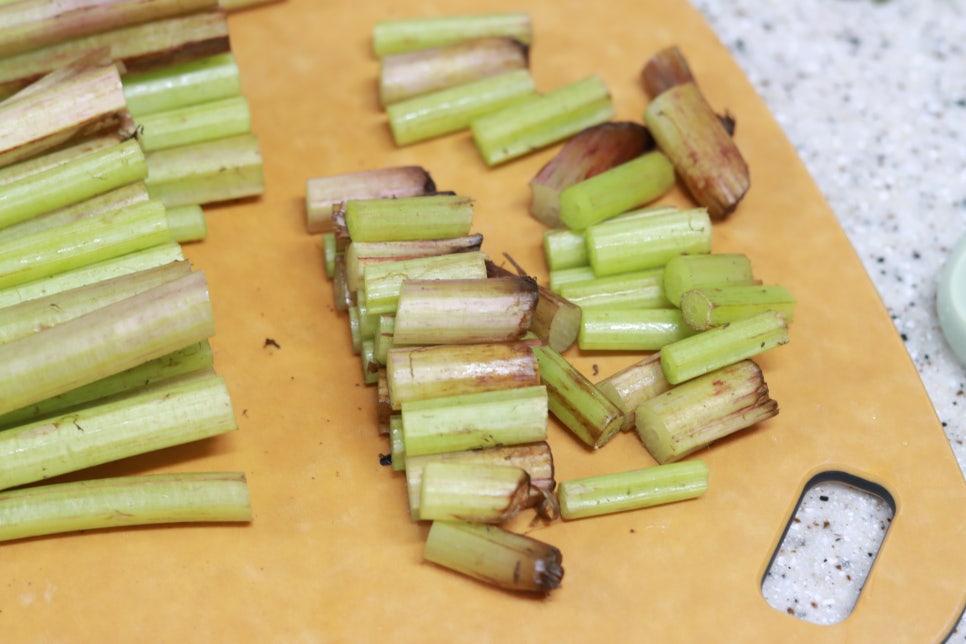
x: 951, y: 300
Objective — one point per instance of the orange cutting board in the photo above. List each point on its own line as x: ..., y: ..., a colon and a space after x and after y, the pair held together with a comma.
x: 332, y: 555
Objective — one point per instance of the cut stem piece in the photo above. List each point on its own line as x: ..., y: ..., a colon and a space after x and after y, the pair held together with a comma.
x: 422, y: 373
x: 322, y: 193
x: 477, y: 420
x: 664, y: 70
x: 72, y: 182
x: 481, y: 493
x: 494, y: 555
x: 703, y: 153
x: 634, y: 384
x: 382, y: 282
x: 706, y: 351
x: 122, y: 502
x: 686, y: 272
x: 172, y: 413
x: 632, y: 490
x: 409, y: 218
x: 692, y: 415
x: 604, y: 329
x: 585, y: 155
x: 360, y: 254
x: 706, y: 308
x: 182, y: 84
x: 647, y: 240
x: 113, y: 338
x: 202, y: 173
x: 186, y: 223
x: 575, y: 401
x: 564, y: 248
x: 406, y: 75
x: 452, y: 109
x: 192, y: 124
x: 492, y: 309
x: 615, y: 191
x: 535, y: 123
x: 634, y: 290
x: 412, y: 34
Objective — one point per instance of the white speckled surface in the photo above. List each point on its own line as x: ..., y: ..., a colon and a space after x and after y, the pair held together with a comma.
x: 873, y: 97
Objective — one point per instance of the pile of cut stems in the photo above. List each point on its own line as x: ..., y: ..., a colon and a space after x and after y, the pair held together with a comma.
x: 104, y: 325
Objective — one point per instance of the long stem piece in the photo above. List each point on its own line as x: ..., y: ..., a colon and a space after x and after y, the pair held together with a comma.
x: 409, y: 218
x: 196, y: 123
x: 107, y: 341
x: 30, y: 24
x: 604, y: 329
x: 81, y: 243
x: 182, y: 84
x: 124, y: 501
x: 72, y: 182
x: 152, y: 418
x: 381, y: 283
x: 401, y: 35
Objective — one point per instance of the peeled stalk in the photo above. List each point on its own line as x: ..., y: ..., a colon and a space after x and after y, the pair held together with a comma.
x: 472, y: 492
x: 182, y: 84
x: 193, y: 358
x: 202, y: 173
x: 575, y: 401
x: 322, y: 193
x: 706, y: 351
x: 707, y: 308
x: 686, y: 272
x: 151, y: 418
x: 561, y: 277
x: 636, y: 243
x: 406, y: 75
x: 692, y: 415
x: 634, y: 290
x: 193, y: 124
x: 664, y: 70
x: 453, y: 109
x: 140, y: 47
x: 586, y: 154
x: 72, y: 182
x: 113, y: 338
x: 632, y: 490
x: 634, y: 384
x: 122, y: 265
x: 564, y: 248
x: 421, y: 373
x: 412, y: 34
x: 617, y: 190
x: 605, y: 329
x: 359, y: 254
x: 476, y: 420
x: 494, y: 555
x: 382, y: 282
x: 492, y: 309
x: 30, y: 24
x: 124, y: 501
x: 186, y: 223
x: 397, y: 446
x: 703, y: 153
x: 535, y: 123
x: 385, y: 330
x: 29, y: 317
x: 82, y: 243
x: 409, y: 218
x: 535, y: 459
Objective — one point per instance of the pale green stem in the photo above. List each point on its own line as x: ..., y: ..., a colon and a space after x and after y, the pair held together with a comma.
x: 604, y: 329
x: 411, y: 34
x: 706, y: 308
x: 192, y: 124
x: 187, y: 223
x: 381, y: 283
x: 182, y: 84
x: 482, y: 493
x: 409, y: 218
x: 634, y: 290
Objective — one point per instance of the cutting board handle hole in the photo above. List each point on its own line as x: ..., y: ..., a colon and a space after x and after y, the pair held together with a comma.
x: 828, y: 548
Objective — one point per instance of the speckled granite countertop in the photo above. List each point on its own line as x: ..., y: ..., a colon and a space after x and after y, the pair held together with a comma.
x: 873, y: 96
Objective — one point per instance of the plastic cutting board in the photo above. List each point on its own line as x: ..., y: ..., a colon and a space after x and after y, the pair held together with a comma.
x: 332, y: 555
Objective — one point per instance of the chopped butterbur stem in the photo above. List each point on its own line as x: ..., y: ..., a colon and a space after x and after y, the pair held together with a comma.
x: 559, y: 278
x: 482, y: 493
x: 665, y: 69
x: 409, y: 218
x: 686, y: 272
x: 606, y: 329
x: 634, y: 384
x: 691, y: 415
x: 147, y: 499
x: 703, y: 153
x: 492, y: 309
x: 412, y: 34
x: 618, y: 190
x: 196, y: 123
x: 706, y: 351
x: 359, y: 254
x: 706, y: 308
x: 632, y: 490
x: 322, y: 193
x: 476, y: 420
x: 452, y: 109
x: 575, y: 401
x: 382, y: 282
x: 535, y: 123
x: 406, y: 75
x: 633, y: 290
x: 586, y: 154
x: 189, y: 83
x: 186, y: 223
x: 564, y: 248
